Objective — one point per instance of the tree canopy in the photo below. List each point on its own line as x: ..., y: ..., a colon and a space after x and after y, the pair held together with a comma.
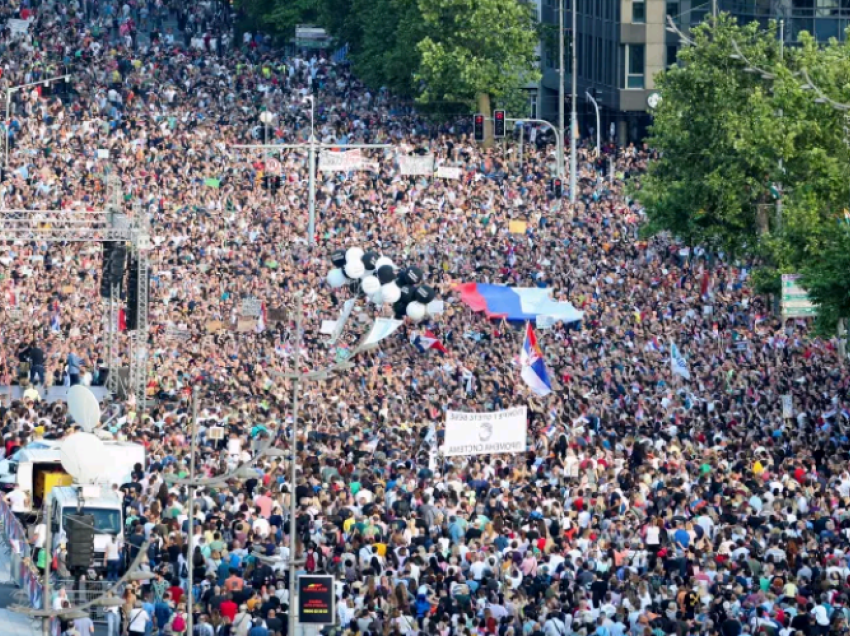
x: 448, y: 54
x: 737, y: 131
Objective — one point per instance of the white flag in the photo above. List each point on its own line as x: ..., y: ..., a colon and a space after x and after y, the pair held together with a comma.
x: 383, y: 328
x: 678, y: 364
x: 343, y: 318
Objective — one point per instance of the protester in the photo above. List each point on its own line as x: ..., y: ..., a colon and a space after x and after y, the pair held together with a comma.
x: 647, y: 503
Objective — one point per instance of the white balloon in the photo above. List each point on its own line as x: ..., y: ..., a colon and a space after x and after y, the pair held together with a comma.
x: 377, y: 297
x: 416, y: 311
x: 336, y: 278
x: 370, y: 285
x: 83, y: 407
x: 383, y: 260
x: 355, y: 269
x: 82, y: 457
x: 353, y: 254
x: 391, y: 293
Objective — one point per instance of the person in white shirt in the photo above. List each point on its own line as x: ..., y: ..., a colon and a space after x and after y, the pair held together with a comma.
x: 18, y: 500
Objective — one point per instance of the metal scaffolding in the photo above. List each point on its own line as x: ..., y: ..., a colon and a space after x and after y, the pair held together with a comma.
x: 75, y: 225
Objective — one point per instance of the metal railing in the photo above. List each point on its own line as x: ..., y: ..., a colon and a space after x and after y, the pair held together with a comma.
x: 87, y: 591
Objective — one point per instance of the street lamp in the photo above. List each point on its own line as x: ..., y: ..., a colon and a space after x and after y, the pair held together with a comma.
x: 12, y: 89
x: 598, y: 123
x: 266, y: 118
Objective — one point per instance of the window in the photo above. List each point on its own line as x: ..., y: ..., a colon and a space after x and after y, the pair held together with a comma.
x: 551, y: 55
x: 672, y: 53
x: 673, y: 11
x: 638, y: 11
x: 635, y: 63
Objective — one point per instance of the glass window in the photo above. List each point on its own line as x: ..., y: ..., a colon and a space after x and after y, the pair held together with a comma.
x: 638, y: 11
x: 635, y: 63
x: 672, y: 53
x: 673, y: 11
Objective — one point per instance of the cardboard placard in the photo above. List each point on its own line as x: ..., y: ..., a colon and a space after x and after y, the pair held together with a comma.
x: 214, y: 326
x: 275, y: 315
x: 244, y: 325
x: 517, y: 227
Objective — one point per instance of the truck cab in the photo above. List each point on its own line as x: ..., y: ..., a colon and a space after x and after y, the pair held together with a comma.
x: 104, y: 504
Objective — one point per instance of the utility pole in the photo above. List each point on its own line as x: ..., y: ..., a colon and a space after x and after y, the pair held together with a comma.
x: 293, y: 504
x: 46, y: 602
x: 573, y: 113
x: 561, y: 85
x: 191, y: 544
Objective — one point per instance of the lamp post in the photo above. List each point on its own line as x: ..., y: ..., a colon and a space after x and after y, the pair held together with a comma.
x: 598, y: 124
x: 573, y: 112
x: 266, y: 118
x: 13, y: 89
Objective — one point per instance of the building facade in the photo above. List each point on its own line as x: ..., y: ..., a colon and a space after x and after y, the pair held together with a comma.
x: 622, y: 44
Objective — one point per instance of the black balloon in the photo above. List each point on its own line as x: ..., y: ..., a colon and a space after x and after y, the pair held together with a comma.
x: 386, y: 274
x: 400, y: 309
x: 414, y: 275
x: 401, y: 278
x: 407, y: 294
x: 425, y: 294
x: 338, y: 258
x: 369, y: 259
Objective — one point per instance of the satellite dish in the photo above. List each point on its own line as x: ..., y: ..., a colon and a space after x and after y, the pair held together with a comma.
x: 83, y: 407
x: 82, y: 457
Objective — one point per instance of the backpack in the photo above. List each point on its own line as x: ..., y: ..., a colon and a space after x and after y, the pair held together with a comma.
x: 184, y: 571
x: 178, y: 624
x: 310, y: 563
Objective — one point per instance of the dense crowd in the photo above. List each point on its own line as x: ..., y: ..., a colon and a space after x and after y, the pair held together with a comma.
x: 646, y: 504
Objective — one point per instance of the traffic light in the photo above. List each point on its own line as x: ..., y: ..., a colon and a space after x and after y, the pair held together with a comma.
x: 498, y: 124
x: 478, y: 126
x: 557, y: 187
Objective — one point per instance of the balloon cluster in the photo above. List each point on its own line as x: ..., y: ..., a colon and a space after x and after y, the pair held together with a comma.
x: 382, y: 282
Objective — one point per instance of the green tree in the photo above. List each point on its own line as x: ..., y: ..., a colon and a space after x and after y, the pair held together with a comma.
x: 476, y: 50
x: 280, y: 17
x: 718, y: 138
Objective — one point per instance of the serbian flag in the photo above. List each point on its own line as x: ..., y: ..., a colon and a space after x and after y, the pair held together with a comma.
x: 261, y: 321
x: 534, y: 372
x: 425, y: 341
x: 122, y: 320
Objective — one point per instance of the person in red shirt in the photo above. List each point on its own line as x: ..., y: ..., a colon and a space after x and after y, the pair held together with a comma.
x: 176, y: 593
x: 228, y: 608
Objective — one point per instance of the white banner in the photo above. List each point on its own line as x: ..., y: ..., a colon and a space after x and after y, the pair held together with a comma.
x: 448, y: 172
x: 486, y: 433
x: 251, y: 306
x: 330, y: 161
x: 383, y: 328
x: 343, y: 318
x: 787, y: 407
x: 18, y: 27
x: 416, y: 165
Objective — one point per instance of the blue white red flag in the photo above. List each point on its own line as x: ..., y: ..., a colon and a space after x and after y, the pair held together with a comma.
x: 534, y: 372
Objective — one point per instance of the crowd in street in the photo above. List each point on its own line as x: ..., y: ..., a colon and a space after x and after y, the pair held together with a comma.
x: 647, y: 503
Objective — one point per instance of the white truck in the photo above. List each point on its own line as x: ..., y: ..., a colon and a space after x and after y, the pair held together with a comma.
x: 101, y: 502
x: 37, y: 468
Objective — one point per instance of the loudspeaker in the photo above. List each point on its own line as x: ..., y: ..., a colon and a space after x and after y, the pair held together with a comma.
x: 80, y: 533
x: 117, y: 261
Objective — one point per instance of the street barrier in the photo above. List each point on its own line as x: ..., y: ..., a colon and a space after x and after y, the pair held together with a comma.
x: 23, y: 572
